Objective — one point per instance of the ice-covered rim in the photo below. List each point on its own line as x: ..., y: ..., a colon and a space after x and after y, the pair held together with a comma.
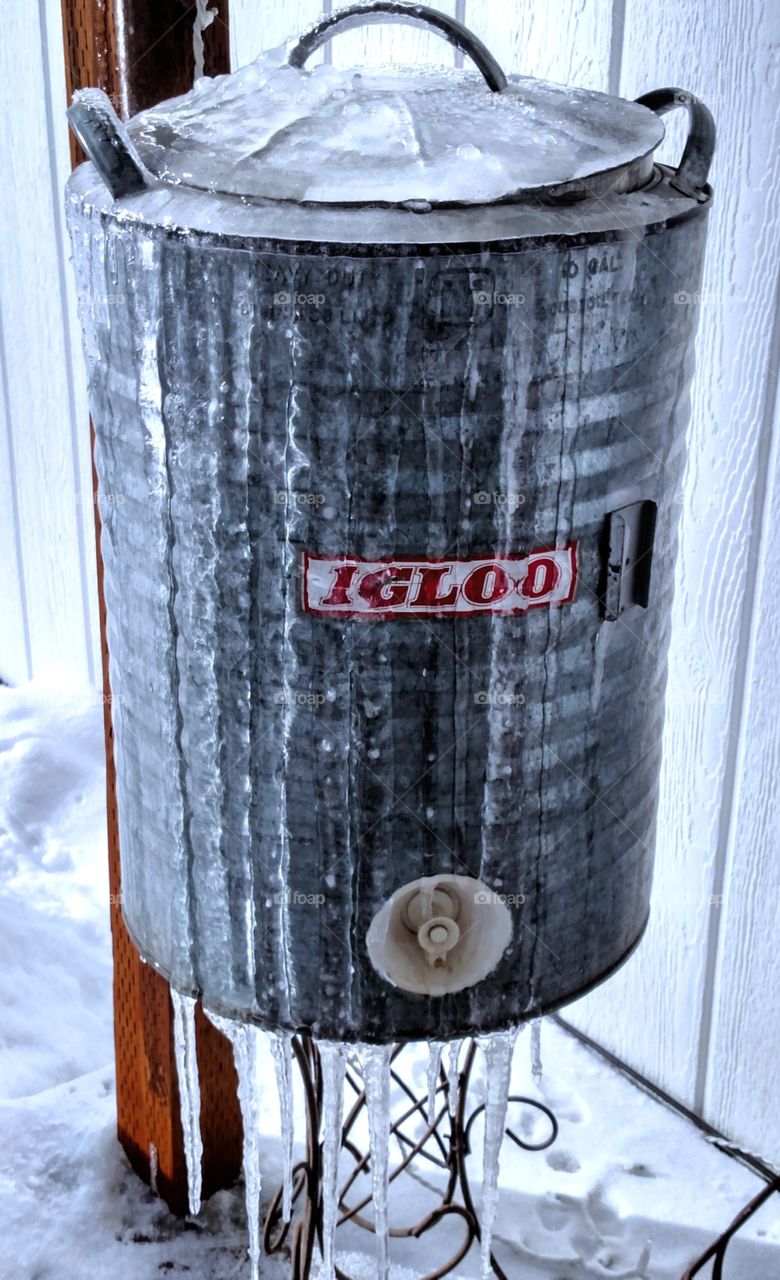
x: 274, y: 131
x: 416, y: 138
x: 393, y: 136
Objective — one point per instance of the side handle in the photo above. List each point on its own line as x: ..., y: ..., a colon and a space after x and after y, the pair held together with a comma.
x: 107, y: 143
x: 694, y: 168
x: 628, y: 549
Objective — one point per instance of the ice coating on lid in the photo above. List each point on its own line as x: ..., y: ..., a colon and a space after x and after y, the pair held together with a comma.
x: 386, y: 135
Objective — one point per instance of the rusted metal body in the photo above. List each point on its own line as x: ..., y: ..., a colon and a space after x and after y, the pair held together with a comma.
x: 380, y: 600
x: 381, y: 605
x: 390, y: 584
x: 294, y: 704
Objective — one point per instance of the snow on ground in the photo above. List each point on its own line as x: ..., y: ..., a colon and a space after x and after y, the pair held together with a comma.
x: 629, y: 1191
x: 55, y: 959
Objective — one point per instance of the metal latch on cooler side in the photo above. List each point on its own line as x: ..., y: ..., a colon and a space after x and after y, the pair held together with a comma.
x: 628, y: 537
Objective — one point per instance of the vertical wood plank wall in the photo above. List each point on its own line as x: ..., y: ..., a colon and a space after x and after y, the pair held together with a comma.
x: 46, y: 523
x: 698, y: 1007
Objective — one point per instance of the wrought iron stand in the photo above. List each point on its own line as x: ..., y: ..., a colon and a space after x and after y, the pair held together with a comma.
x: 444, y: 1144
x: 716, y: 1253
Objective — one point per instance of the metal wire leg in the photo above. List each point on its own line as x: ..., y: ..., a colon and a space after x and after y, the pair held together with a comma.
x: 443, y: 1144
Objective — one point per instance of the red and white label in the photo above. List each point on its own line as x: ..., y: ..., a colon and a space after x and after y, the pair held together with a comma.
x: 347, y: 587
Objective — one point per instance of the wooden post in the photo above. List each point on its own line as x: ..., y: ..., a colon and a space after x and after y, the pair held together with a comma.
x: 146, y: 58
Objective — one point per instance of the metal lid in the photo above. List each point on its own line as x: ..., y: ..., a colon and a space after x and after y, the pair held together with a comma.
x: 274, y: 131
x: 416, y: 138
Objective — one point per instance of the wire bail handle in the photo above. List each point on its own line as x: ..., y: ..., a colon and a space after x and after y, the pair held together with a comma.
x: 416, y: 15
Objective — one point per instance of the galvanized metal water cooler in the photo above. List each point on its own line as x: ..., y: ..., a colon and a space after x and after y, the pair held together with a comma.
x: 391, y: 373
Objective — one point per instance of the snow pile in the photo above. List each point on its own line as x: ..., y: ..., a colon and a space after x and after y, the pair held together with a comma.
x: 70, y: 1206
x: 55, y: 959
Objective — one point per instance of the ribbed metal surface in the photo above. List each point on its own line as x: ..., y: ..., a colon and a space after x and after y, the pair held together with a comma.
x: 266, y: 755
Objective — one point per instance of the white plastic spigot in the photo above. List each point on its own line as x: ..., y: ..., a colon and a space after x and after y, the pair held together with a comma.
x: 439, y: 934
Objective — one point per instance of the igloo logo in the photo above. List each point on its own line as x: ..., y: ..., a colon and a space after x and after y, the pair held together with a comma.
x: 348, y: 587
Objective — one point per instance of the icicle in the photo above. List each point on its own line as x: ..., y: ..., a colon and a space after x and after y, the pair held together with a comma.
x: 154, y: 1167
x: 203, y: 20
x: 498, y: 1049
x: 537, y: 1070
x: 333, y: 1059
x: 189, y: 1093
x: 375, y: 1065
x: 281, y: 1047
x: 434, y: 1066
x: 247, y: 1045
x: 453, y: 1078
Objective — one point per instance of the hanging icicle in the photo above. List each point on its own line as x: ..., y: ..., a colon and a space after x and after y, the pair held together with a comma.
x: 334, y: 1061
x: 281, y: 1047
x: 537, y: 1070
x: 375, y: 1067
x: 435, y: 1052
x: 498, y: 1049
x: 246, y: 1040
x: 185, y: 1049
x: 453, y: 1078
x: 203, y: 20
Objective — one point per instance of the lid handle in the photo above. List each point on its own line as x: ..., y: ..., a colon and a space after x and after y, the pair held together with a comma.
x: 693, y: 170
x: 105, y: 140
x: 358, y: 15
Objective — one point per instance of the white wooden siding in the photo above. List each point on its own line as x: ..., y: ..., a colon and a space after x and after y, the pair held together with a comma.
x: 728, y: 55
x: 698, y: 1007
x: 48, y: 520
